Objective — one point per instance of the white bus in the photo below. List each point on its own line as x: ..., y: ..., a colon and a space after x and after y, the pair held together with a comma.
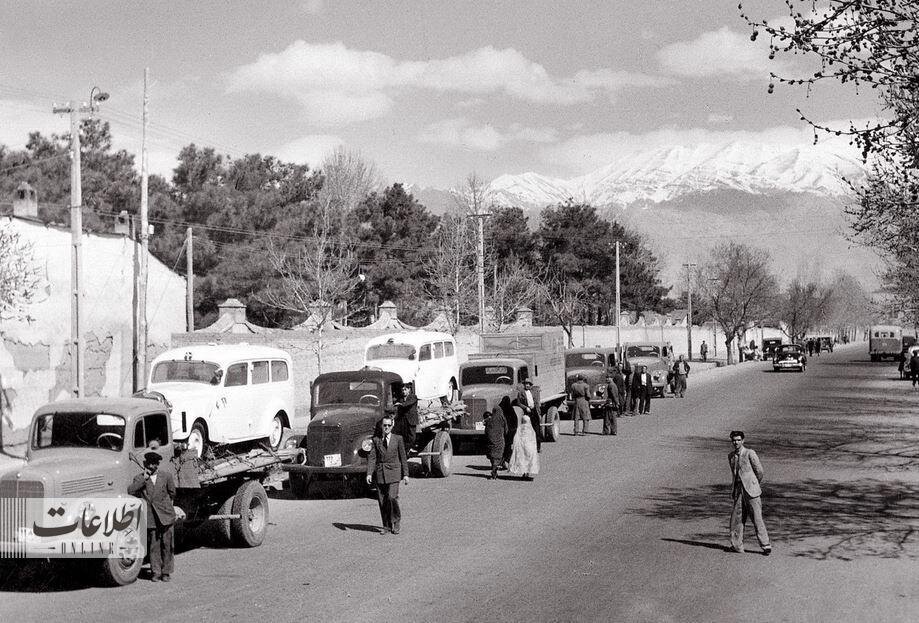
x: 885, y: 340
x: 226, y: 393
x: 425, y: 358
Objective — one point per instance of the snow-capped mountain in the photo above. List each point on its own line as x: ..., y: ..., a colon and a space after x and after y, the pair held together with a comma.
x: 665, y: 173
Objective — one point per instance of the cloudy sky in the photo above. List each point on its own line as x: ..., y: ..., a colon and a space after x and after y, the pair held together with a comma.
x: 430, y: 91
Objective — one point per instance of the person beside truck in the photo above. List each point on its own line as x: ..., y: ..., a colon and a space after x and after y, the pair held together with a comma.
x: 158, y: 490
x: 580, y: 394
x: 387, y: 466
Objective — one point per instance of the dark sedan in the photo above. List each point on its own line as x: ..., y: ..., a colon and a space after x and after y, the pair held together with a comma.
x: 789, y: 357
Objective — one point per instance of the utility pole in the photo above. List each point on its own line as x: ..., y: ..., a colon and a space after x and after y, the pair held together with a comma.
x: 140, y: 277
x: 618, y: 304
x: 76, y: 236
x: 190, y: 280
x: 480, y: 266
x: 689, y: 268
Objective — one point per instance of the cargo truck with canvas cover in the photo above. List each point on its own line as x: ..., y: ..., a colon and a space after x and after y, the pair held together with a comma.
x: 491, y: 379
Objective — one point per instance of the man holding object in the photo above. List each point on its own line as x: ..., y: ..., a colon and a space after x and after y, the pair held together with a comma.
x: 387, y: 464
x: 158, y: 489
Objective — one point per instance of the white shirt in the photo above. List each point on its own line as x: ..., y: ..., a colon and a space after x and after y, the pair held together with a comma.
x: 530, y: 402
x: 153, y: 478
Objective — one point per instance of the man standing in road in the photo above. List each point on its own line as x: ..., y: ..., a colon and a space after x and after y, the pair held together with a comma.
x: 407, y: 416
x: 680, y: 372
x: 619, y: 380
x: 611, y: 408
x: 703, y: 350
x: 914, y: 367
x: 158, y: 490
x: 387, y: 465
x: 747, y: 474
x: 641, y: 391
x: 580, y: 394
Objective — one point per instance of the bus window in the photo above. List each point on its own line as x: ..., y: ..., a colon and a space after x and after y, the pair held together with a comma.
x: 424, y: 353
x: 438, y: 350
x: 448, y: 349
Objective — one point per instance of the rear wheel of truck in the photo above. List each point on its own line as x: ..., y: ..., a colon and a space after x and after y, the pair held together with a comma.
x: 251, y: 504
x: 551, y: 432
x: 120, y: 571
x: 299, y: 485
x: 441, y: 463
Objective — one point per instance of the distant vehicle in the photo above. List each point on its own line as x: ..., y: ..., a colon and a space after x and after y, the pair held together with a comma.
x: 770, y: 344
x: 425, y: 358
x: 885, y: 341
x: 225, y: 393
x: 593, y: 364
x: 657, y: 358
x: 789, y: 357
x: 908, y: 340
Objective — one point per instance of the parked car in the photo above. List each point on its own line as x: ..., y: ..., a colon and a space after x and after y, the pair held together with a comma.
x: 789, y: 357
x: 226, y: 393
x: 770, y: 344
x: 426, y: 358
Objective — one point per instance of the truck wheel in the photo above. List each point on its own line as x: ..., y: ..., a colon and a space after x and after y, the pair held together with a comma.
x: 441, y: 464
x: 197, y: 439
x: 251, y: 504
x: 551, y: 433
x: 120, y: 571
x: 277, y: 432
x: 299, y: 485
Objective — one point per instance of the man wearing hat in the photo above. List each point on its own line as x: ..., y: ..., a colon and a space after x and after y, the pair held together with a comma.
x: 158, y: 490
x: 528, y: 400
x: 580, y: 396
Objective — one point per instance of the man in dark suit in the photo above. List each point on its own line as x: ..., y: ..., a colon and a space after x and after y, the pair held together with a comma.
x: 158, y: 489
x: 611, y: 407
x: 641, y: 391
x: 528, y: 400
x: 407, y: 416
x: 387, y: 464
x: 619, y: 380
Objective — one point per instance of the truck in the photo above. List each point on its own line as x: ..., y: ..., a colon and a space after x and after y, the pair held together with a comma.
x: 345, y: 411
x: 593, y: 364
x: 94, y: 447
x: 656, y: 357
x: 885, y: 341
x: 491, y: 378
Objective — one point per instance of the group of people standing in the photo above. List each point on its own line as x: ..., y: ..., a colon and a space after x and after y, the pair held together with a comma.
x: 514, y: 435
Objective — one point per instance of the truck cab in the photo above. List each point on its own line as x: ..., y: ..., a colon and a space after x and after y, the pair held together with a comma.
x: 593, y: 364
x: 489, y: 384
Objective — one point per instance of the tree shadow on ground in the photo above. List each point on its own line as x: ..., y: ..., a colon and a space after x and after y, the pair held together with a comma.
x: 822, y: 519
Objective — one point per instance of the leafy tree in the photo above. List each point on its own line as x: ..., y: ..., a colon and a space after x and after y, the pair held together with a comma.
x: 509, y: 237
x: 738, y: 284
x: 515, y: 287
x: 802, y: 307
x: 449, y: 270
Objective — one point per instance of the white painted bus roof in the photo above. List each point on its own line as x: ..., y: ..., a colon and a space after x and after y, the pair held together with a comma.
x: 222, y: 353
x: 412, y: 338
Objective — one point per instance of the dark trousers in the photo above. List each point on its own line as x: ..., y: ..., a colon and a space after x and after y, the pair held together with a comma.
x: 160, y: 544
x: 679, y: 384
x: 642, y: 400
x: 495, y: 464
x: 388, y: 498
x: 610, y: 411
x: 509, y: 444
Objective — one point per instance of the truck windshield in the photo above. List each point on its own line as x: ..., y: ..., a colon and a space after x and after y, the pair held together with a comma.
x: 79, y: 430
x: 582, y: 360
x: 347, y: 392
x: 390, y: 351
x: 487, y: 375
x: 643, y: 351
x: 184, y: 372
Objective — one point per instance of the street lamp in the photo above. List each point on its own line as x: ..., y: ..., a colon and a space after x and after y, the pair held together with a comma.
x: 96, y: 95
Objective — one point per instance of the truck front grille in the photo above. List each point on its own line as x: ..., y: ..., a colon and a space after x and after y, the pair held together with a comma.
x: 320, y: 441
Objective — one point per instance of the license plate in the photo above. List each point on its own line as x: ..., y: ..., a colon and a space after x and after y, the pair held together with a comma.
x: 332, y: 460
x: 480, y: 425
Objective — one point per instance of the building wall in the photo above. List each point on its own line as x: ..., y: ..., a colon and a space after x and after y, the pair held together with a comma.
x: 35, y: 354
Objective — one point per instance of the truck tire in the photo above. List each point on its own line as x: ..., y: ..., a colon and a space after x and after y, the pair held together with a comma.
x: 251, y: 504
x: 197, y: 439
x: 222, y: 526
x: 120, y: 571
x: 277, y: 432
x: 441, y: 464
x: 551, y: 433
x: 299, y: 485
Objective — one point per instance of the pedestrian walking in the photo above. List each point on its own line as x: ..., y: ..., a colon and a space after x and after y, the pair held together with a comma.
x: 580, y: 393
x: 511, y: 418
x: 914, y: 367
x: 810, y: 347
x: 703, y: 350
x: 158, y: 490
x: 495, y: 429
x: 524, y: 457
x: 387, y: 466
x: 680, y: 372
x: 641, y: 391
x: 611, y: 406
x: 746, y: 494
x: 528, y: 400
x: 818, y: 346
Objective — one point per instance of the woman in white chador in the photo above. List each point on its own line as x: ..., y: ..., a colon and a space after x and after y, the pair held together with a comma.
x: 524, y: 458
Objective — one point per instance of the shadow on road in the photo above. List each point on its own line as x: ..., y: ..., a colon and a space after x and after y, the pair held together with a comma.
x: 824, y: 519
x: 356, y: 526
x: 719, y: 547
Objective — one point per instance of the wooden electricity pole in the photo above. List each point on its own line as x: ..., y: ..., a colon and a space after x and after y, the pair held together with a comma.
x: 189, y: 280
x: 141, y: 265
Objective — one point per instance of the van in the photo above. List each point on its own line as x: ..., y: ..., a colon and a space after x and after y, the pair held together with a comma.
x: 227, y: 393
x: 885, y: 341
x: 426, y: 358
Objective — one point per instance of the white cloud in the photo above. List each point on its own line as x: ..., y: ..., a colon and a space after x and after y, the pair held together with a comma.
x: 721, y: 52
x: 338, y: 85
x: 589, y: 152
x: 462, y: 132
x: 308, y: 149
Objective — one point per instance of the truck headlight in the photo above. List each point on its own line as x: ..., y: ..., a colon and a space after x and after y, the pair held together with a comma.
x: 367, y: 445
x: 291, y: 443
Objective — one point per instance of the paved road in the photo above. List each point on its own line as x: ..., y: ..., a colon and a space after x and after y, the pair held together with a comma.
x: 630, y: 528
